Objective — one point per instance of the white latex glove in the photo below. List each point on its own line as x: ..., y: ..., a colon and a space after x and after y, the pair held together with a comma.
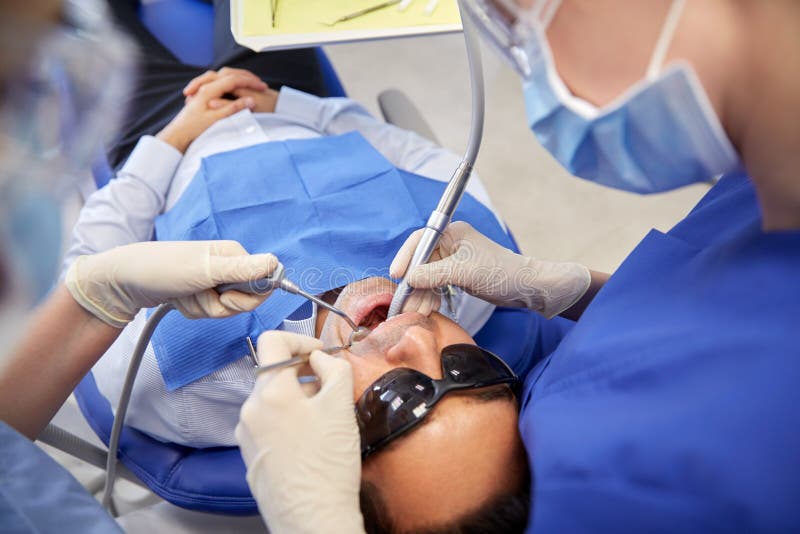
x: 303, y: 454
x: 470, y: 260
x: 114, y: 285
x: 423, y: 301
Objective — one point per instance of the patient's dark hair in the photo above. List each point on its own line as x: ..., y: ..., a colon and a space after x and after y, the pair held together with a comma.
x: 505, y: 513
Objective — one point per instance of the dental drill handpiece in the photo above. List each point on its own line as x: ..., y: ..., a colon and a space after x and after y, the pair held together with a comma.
x: 437, y: 223
x: 440, y: 218
x: 278, y: 280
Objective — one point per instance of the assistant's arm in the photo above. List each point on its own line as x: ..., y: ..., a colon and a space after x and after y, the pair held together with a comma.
x: 62, y: 342
x: 102, y: 293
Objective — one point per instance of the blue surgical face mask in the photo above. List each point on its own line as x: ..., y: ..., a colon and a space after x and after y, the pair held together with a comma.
x: 659, y: 135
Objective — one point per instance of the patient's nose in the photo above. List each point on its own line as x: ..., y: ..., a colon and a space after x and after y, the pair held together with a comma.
x: 418, y: 349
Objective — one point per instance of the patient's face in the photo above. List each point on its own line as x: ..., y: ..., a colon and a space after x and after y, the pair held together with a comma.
x: 467, y: 449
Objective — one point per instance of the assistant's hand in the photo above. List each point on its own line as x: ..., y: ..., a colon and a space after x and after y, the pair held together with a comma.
x: 470, y: 260
x: 207, y: 107
x: 302, y: 453
x: 264, y: 98
x: 115, y: 284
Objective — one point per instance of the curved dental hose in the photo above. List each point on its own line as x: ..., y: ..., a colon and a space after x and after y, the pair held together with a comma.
x: 124, y: 400
x: 440, y: 218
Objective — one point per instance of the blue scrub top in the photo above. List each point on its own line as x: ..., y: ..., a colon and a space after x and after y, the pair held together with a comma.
x: 673, y: 405
x: 38, y: 495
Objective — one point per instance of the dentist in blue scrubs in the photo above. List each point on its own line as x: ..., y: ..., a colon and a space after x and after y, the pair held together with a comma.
x: 672, y: 403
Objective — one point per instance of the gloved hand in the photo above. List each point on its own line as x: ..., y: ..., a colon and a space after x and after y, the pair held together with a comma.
x: 470, y: 260
x: 303, y: 454
x: 114, y: 285
x: 423, y: 301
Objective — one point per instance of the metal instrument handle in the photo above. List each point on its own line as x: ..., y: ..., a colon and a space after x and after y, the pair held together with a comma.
x: 256, y: 287
x: 449, y: 200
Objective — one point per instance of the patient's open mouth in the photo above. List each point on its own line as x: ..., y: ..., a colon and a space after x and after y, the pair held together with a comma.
x: 368, y: 306
x: 375, y: 317
x: 372, y: 310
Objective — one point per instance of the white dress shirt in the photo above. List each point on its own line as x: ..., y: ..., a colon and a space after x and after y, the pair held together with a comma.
x: 205, y: 413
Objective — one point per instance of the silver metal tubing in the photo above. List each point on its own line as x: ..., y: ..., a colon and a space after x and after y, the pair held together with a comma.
x: 278, y: 280
x: 426, y: 246
x: 256, y: 287
x: 73, y: 445
x: 448, y: 203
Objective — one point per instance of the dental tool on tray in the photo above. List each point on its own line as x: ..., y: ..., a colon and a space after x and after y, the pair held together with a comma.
x: 440, y: 218
x: 362, y: 12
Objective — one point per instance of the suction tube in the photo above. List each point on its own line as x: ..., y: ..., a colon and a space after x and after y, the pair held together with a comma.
x: 124, y: 400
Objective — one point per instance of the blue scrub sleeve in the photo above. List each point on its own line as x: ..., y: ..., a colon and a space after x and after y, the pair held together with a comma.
x: 38, y: 495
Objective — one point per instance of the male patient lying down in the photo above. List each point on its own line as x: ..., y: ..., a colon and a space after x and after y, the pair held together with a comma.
x: 467, y: 454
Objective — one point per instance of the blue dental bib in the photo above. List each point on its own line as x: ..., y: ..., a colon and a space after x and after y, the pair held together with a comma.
x: 332, y: 209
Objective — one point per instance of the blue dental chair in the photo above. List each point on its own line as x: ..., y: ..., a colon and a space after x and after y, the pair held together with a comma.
x: 213, y: 480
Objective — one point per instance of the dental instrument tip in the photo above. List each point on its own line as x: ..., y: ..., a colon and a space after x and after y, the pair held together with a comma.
x: 359, y: 334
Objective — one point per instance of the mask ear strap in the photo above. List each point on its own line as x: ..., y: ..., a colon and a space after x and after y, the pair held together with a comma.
x: 665, y: 39
x: 545, y: 10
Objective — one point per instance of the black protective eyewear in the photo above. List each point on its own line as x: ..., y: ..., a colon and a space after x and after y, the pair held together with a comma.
x: 401, y: 398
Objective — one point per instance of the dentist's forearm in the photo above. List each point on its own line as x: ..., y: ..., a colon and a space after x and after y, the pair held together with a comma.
x: 575, y: 311
x: 61, y: 344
